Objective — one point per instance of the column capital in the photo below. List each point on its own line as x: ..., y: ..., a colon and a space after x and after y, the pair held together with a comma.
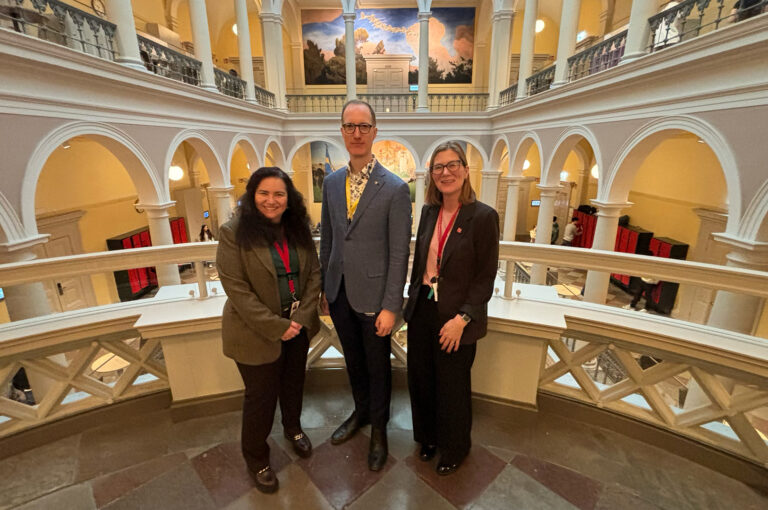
x: 424, y: 15
x: 348, y: 6
x: 548, y: 191
x: 12, y: 249
x: 420, y: 173
x: 271, y: 17
x: 516, y: 179
x: 491, y: 173
x: 349, y: 17
x: 155, y: 210
x: 503, y: 15
x: 220, y: 190
x: 610, y: 209
x: 745, y: 253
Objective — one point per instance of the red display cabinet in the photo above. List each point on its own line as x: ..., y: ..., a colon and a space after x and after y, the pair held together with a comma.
x: 665, y: 293
x: 630, y: 239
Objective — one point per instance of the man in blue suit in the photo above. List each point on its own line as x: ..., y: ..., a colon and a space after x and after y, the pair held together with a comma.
x: 364, y: 246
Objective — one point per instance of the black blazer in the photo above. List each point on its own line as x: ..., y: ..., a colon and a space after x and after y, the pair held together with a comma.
x: 467, y: 269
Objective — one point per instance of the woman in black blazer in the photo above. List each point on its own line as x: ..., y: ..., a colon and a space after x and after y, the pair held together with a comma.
x: 454, y: 268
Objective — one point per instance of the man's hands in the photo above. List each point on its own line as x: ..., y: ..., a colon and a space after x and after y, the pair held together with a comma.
x: 450, y: 334
x: 293, y: 330
x: 385, y: 322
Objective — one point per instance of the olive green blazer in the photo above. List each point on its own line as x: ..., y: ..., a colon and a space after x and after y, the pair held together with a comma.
x: 251, y: 323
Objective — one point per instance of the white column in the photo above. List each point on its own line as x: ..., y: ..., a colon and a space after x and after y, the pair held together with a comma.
x: 639, y: 32
x: 120, y: 13
x: 272, y: 31
x: 198, y: 18
x: 349, y: 54
x: 544, y: 229
x: 739, y: 312
x: 29, y: 299
x: 596, y: 286
x: 419, y: 204
x: 160, y: 232
x: 423, y: 100
x: 512, y: 206
x: 526, y: 49
x: 569, y: 25
x: 244, y: 49
x: 498, y: 75
x: 222, y: 200
x: 489, y: 189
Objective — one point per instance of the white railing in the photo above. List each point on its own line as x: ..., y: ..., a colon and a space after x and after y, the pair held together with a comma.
x: 696, y: 381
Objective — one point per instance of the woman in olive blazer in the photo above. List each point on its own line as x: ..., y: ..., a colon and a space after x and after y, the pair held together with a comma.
x: 454, y: 268
x: 270, y: 271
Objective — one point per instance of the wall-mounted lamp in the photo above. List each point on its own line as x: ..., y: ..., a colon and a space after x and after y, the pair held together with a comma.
x: 563, y: 175
x: 65, y: 145
x: 540, y: 25
x: 595, y: 172
x: 175, y: 173
x: 526, y: 165
x: 234, y: 28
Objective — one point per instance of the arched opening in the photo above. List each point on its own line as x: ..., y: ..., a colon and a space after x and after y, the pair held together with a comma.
x: 310, y: 163
x: 679, y: 194
x: 243, y: 162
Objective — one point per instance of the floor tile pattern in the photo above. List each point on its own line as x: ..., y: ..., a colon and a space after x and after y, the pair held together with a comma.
x: 534, y: 461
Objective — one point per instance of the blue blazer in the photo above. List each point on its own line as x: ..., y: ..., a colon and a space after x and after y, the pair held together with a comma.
x: 370, y: 253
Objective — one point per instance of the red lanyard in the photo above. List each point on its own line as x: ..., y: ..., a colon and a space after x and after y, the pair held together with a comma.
x: 285, y: 257
x: 442, y: 237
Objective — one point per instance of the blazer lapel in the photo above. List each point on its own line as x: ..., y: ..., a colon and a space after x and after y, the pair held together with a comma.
x: 426, y: 237
x: 458, y: 230
x: 374, y: 184
x: 265, y: 257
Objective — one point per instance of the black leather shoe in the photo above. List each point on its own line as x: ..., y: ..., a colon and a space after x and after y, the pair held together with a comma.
x: 378, y: 452
x: 301, y: 444
x: 347, y: 429
x: 265, y: 480
x: 427, y: 452
x: 443, y: 468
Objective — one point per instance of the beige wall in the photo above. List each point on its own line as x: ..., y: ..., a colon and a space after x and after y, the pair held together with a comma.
x: 148, y: 11
x: 589, y: 17
x: 676, y: 177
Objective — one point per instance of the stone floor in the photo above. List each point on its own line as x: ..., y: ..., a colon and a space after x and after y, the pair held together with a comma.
x: 536, y: 461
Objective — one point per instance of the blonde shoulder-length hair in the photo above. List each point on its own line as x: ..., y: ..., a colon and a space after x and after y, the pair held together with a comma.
x: 433, y: 195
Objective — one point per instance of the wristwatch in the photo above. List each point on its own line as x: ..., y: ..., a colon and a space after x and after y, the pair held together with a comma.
x: 466, y: 318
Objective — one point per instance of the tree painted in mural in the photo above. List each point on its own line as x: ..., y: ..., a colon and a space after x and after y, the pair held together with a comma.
x: 390, y: 31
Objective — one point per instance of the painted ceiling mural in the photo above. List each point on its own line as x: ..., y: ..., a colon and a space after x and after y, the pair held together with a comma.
x: 388, y: 31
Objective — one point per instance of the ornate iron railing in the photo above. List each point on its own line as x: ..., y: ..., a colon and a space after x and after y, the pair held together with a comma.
x: 265, y: 97
x: 164, y: 61
x: 229, y: 84
x: 60, y: 23
x: 508, y: 95
x: 597, y: 58
x: 388, y: 103
x: 691, y: 18
x: 540, y: 81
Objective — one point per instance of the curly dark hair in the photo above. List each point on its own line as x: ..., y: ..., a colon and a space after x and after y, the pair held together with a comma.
x: 256, y: 230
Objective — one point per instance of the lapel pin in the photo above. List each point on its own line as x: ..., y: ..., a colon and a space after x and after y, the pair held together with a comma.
x: 458, y: 230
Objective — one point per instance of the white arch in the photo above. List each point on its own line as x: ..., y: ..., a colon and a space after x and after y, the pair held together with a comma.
x: 254, y: 160
x: 618, y: 182
x: 477, y: 145
x: 136, y: 162
x: 273, y: 139
x: 11, y: 228
x: 754, y: 223
x: 309, y: 139
x: 550, y: 175
x: 521, y: 151
x: 497, y: 153
x: 218, y: 172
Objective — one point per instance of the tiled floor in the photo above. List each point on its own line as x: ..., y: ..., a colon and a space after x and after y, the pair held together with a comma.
x: 536, y: 461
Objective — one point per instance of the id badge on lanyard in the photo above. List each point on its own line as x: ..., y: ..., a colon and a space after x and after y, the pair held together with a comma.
x: 285, y: 257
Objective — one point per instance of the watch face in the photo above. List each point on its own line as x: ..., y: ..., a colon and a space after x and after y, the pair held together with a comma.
x: 98, y: 7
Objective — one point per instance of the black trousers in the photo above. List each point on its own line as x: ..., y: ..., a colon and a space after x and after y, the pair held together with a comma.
x: 440, y: 385
x: 264, y: 384
x: 643, y: 288
x: 367, y: 358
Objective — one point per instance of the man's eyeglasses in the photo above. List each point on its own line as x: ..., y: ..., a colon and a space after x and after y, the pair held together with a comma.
x: 452, y: 166
x: 349, y: 128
